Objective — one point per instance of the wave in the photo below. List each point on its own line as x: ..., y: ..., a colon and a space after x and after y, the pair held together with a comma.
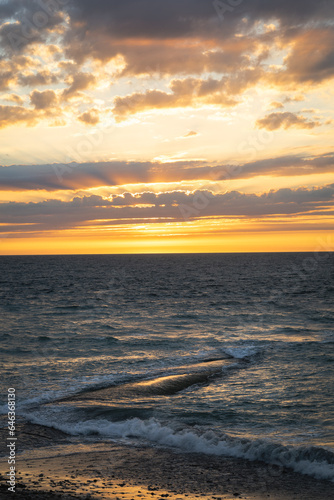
x: 15, y: 350
x: 43, y: 338
x: 241, y: 352
x: 165, y: 379
x: 163, y: 385
x: 108, y: 339
x: 313, y: 461
x: 4, y: 336
x: 206, y: 355
x: 175, y: 383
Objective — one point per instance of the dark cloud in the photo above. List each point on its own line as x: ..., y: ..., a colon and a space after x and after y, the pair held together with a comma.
x: 143, y: 18
x: 9, y: 8
x: 40, y: 78
x: 167, y: 207
x: 43, y: 100
x: 28, y: 23
x: 73, y: 176
x: 87, y: 175
x: 166, y: 34
x: 154, y: 35
x: 181, y: 18
x: 289, y: 13
x: 96, y: 26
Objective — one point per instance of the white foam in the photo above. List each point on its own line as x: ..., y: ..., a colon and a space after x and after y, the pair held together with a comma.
x: 241, y: 352
x: 208, y: 442
x: 71, y: 389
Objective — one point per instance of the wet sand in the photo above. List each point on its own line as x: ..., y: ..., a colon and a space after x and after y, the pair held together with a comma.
x: 69, y: 470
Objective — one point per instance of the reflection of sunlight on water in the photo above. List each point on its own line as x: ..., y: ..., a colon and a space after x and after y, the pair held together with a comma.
x: 169, y: 315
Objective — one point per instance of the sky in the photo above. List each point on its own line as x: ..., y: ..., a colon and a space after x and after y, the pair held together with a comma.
x: 155, y: 126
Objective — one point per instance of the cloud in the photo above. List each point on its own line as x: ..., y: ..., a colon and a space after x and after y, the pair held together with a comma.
x: 43, y: 100
x: 187, y: 35
x: 276, y: 105
x: 183, y: 18
x: 12, y: 69
x: 44, y: 77
x: 187, y: 92
x: 12, y: 115
x: 191, y: 133
x: 63, y: 43
x: 12, y: 98
x: 26, y: 24
x: 186, y: 57
x: 286, y: 120
x: 178, y: 36
x: 90, y: 117
x: 78, y: 81
x: 310, y: 60
x: 296, y: 98
x: 75, y: 176
x: 165, y: 207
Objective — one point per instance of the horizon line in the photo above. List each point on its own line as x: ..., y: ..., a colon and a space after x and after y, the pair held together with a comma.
x: 162, y: 253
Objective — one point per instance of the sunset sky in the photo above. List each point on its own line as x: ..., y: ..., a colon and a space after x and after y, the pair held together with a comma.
x: 145, y: 126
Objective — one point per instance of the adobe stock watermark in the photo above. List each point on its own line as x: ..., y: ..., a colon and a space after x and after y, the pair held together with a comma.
x: 37, y: 21
x: 78, y: 153
x: 11, y: 440
x: 228, y: 6
x: 91, y: 140
x: 254, y: 144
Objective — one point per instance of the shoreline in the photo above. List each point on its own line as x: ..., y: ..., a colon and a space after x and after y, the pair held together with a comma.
x: 123, y: 472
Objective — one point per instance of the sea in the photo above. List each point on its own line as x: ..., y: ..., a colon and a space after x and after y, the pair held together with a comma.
x: 222, y: 354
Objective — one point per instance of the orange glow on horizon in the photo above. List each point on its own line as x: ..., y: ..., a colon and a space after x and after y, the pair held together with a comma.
x: 230, y: 243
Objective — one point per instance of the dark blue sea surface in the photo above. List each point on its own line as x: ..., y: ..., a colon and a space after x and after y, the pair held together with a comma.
x: 227, y: 354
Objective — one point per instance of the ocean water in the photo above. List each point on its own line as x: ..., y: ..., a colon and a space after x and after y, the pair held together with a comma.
x: 225, y: 354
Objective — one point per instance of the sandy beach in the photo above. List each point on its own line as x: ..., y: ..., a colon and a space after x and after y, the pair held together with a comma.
x: 70, y: 470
